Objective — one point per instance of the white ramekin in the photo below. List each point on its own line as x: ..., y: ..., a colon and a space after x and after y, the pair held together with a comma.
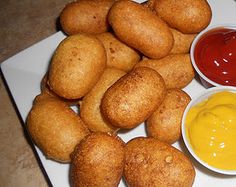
x: 193, y: 102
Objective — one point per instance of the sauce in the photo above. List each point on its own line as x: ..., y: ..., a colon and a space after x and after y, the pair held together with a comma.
x: 211, y: 130
x: 215, y: 55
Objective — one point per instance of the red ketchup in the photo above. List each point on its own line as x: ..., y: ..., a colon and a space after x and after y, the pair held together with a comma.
x: 215, y: 55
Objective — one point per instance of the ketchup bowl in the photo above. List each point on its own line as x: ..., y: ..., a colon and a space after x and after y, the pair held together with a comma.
x: 209, y: 127
x: 213, y: 55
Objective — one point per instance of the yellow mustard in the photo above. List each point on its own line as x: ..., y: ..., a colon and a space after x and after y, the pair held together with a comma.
x: 211, y: 130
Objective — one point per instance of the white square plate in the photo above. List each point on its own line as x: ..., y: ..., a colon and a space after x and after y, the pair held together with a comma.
x: 24, y: 71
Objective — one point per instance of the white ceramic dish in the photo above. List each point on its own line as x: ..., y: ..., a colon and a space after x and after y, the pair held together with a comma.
x: 24, y: 71
x: 204, y: 79
x: 203, y: 96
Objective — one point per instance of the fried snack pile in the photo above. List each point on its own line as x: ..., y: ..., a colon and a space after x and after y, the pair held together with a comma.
x: 123, y: 64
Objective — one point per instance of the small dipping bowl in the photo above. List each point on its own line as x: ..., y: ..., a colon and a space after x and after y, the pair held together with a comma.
x: 205, y: 137
x: 213, y: 55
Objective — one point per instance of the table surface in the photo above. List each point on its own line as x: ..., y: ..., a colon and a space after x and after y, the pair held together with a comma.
x: 23, y: 23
